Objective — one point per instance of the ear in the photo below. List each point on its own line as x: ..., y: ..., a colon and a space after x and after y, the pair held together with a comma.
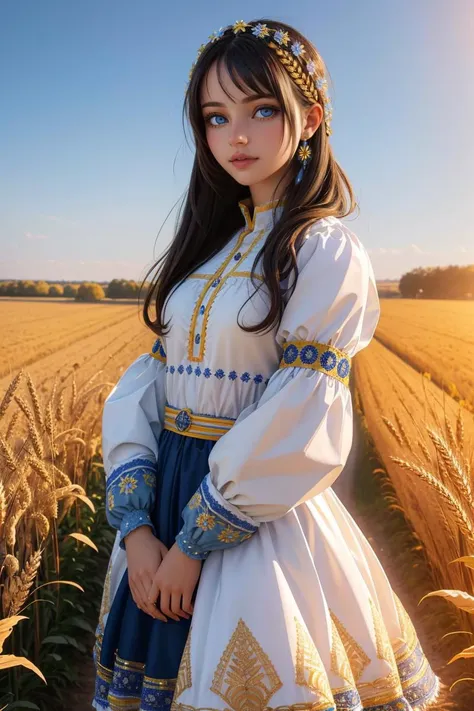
x: 313, y: 120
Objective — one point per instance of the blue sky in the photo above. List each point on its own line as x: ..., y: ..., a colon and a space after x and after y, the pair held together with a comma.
x: 92, y: 150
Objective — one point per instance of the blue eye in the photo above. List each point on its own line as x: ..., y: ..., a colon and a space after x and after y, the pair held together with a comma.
x: 267, y: 108
x: 216, y: 116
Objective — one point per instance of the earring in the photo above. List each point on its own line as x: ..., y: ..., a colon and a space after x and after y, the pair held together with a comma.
x: 304, y: 156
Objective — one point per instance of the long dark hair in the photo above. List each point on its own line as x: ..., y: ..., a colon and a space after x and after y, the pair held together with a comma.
x: 211, y: 214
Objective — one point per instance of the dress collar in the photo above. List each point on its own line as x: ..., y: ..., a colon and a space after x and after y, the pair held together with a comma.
x: 264, y: 216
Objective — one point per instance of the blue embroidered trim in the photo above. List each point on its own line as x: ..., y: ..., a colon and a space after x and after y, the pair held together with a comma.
x: 219, y: 373
x: 230, y: 517
x: 305, y: 354
x: 139, y: 463
x: 158, y: 351
x: 187, y: 548
x: 133, y: 520
x: 128, y: 685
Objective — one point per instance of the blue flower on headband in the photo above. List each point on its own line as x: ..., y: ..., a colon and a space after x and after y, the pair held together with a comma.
x: 260, y: 30
x: 311, y: 67
x: 321, y: 83
x: 297, y: 49
x: 282, y: 37
x: 217, y: 34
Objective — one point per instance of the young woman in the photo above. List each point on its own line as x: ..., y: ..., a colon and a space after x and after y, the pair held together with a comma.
x: 221, y: 445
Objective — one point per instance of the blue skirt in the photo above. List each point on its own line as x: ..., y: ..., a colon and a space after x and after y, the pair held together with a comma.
x: 139, y: 658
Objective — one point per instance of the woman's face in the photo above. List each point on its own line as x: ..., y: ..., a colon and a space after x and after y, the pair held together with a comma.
x: 251, y: 126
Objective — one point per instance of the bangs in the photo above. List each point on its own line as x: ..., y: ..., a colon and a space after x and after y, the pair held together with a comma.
x: 254, y: 70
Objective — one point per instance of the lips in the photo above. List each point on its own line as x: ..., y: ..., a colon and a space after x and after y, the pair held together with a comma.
x: 241, y: 157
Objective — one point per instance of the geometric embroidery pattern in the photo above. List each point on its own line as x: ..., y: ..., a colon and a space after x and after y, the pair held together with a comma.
x: 358, y: 659
x: 310, y: 670
x: 245, y: 678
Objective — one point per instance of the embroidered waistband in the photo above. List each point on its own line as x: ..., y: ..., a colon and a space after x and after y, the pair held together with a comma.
x: 189, y: 423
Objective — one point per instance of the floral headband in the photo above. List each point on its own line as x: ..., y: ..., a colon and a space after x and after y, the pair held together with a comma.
x: 303, y: 73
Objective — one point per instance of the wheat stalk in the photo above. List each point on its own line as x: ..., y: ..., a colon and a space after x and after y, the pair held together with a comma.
x: 293, y: 67
x: 452, y: 465
x: 12, y: 388
x: 36, y: 403
x: 12, y: 424
x: 453, y: 504
x: 391, y: 427
x: 460, y: 430
x: 8, y: 454
x: 3, y: 507
x: 27, y: 577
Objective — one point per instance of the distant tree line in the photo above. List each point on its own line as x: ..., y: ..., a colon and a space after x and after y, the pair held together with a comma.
x: 452, y: 282
x: 83, y: 291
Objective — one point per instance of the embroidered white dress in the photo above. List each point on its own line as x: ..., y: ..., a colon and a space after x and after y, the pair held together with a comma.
x: 293, y: 608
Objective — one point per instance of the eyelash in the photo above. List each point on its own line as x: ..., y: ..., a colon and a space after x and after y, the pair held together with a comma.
x: 276, y: 111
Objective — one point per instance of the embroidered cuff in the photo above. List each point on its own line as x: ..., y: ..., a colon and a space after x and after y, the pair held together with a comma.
x: 130, y: 489
x: 317, y: 356
x: 132, y: 520
x: 211, y: 523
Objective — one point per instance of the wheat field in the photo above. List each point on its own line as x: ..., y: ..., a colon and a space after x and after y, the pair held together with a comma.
x: 59, y: 359
x: 435, y: 336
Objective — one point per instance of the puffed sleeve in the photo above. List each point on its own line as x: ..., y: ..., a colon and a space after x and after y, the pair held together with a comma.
x: 132, y: 420
x: 293, y: 442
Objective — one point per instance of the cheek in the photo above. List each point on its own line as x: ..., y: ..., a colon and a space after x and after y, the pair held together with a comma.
x: 214, y: 141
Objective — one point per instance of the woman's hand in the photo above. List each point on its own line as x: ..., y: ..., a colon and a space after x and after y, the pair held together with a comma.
x: 145, y: 554
x: 176, y: 578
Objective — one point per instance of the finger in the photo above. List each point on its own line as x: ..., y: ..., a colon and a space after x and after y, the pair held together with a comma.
x: 149, y: 605
x: 154, y: 590
x: 165, y: 605
x: 187, y: 605
x: 176, y: 606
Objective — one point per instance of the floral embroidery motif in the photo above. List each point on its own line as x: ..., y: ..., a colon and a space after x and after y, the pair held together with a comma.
x: 209, y: 525
x: 309, y: 669
x: 127, y: 484
x: 195, y: 500
x: 358, y: 659
x: 317, y: 356
x: 219, y: 374
x: 245, y: 678
x: 110, y: 500
x: 149, y: 479
x: 206, y: 521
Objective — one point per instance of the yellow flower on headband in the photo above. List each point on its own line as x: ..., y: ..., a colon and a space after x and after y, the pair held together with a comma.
x: 239, y: 26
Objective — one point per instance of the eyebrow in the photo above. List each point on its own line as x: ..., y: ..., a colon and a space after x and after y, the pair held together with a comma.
x: 247, y: 100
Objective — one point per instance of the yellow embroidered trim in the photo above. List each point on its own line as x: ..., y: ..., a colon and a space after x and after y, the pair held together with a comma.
x: 309, y: 668
x: 164, y: 684
x: 340, y: 663
x: 185, y: 679
x: 247, y: 275
x: 124, y: 664
x: 200, y: 276
x: 408, y: 632
x: 358, y: 659
x: 218, y: 286
x: 317, y: 356
x: 245, y: 666
x: 244, y: 207
x: 190, y: 424
x: 212, y: 278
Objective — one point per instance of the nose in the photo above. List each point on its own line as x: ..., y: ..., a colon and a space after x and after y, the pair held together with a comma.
x: 238, y: 139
